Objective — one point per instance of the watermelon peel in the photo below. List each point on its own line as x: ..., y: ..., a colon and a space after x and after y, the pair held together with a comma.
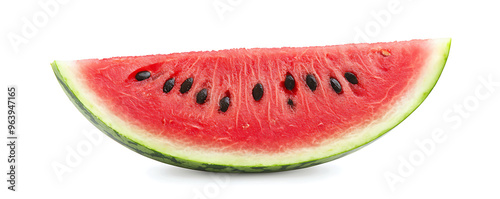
x: 119, y: 130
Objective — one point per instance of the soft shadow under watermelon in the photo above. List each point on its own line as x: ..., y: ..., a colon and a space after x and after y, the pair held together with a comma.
x: 180, y: 175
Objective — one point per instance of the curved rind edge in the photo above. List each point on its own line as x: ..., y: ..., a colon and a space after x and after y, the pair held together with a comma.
x: 165, y: 158
x: 432, y: 81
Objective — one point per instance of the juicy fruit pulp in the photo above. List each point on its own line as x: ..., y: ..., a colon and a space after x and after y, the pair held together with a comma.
x: 254, y: 110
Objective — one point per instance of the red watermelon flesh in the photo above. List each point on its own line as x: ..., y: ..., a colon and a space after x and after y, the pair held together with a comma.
x: 285, y: 126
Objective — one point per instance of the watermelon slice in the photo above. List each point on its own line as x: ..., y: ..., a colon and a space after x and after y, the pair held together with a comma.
x: 254, y: 110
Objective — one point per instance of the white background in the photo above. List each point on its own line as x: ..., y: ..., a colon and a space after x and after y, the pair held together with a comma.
x: 465, y: 164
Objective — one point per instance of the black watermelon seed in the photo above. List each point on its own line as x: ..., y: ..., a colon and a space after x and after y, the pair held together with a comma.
x: 186, y: 85
x: 142, y: 75
x: 289, y: 82
x: 351, y: 78
x: 290, y: 102
x: 311, y: 82
x: 257, y: 91
x: 224, y: 104
x: 201, y: 97
x: 169, y: 84
x: 335, y: 85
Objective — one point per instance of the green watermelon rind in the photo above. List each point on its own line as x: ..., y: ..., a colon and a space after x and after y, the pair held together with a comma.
x: 86, y: 109
x: 165, y: 158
